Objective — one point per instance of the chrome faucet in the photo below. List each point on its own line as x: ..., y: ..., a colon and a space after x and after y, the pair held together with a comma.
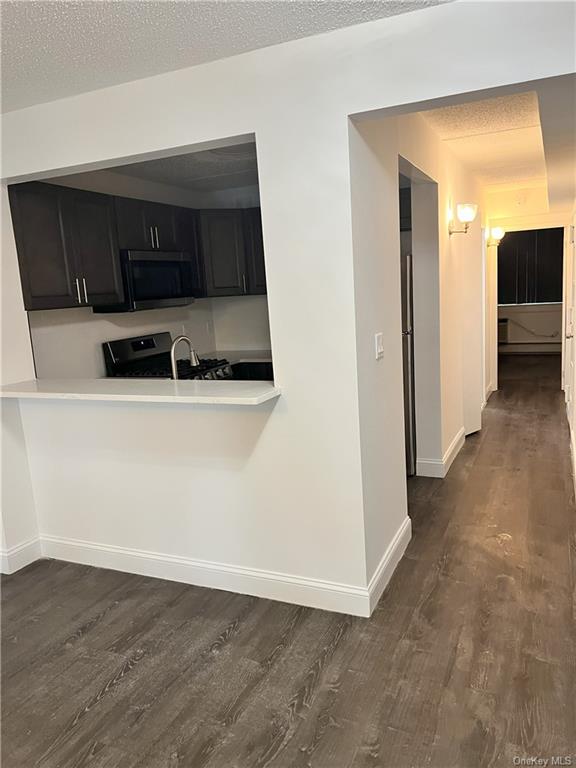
x: 193, y: 356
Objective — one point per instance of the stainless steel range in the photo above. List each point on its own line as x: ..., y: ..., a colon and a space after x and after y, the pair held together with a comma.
x: 149, y: 357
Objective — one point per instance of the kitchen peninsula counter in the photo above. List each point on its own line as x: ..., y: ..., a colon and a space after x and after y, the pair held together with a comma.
x: 145, y: 391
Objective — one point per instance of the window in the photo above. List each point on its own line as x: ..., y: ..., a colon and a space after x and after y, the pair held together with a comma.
x: 530, y: 267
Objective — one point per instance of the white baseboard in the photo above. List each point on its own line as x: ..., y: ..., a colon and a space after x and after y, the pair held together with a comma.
x: 315, y: 593
x: 19, y: 556
x: 573, y: 456
x: 437, y: 468
x: 390, y: 560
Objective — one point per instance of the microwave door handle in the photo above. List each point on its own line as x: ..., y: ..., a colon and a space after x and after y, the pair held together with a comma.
x: 152, y: 236
x: 157, y: 239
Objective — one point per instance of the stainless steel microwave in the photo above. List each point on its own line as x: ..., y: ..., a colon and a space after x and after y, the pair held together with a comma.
x: 155, y: 279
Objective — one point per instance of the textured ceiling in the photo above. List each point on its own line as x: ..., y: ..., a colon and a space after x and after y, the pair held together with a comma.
x: 499, y: 140
x: 57, y: 48
x: 504, y: 113
x: 211, y: 170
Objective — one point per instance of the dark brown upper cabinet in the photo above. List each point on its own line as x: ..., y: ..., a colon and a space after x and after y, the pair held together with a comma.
x: 67, y: 248
x: 232, y: 252
x: 46, y: 264
x: 90, y: 222
x: 187, y: 240
x: 69, y: 243
x: 256, y: 270
x: 144, y: 226
x: 223, y: 252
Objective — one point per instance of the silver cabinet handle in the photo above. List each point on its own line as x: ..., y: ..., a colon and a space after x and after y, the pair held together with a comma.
x: 152, y: 236
x: 85, y: 289
x: 157, y: 240
x: 78, y: 291
x: 244, y: 282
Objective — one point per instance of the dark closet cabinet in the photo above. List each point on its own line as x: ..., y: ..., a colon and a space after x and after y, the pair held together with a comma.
x: 67, y: 247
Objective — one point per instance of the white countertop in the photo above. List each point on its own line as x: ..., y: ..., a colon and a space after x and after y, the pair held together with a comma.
x: 145, y: 391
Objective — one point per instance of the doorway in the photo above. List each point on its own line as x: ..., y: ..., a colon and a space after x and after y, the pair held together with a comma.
x: 407, y: 284
x: 530, y: 307
x: 420, y: 320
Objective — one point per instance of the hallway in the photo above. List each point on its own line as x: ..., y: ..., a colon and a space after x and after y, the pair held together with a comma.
x: 468, y: 660
x: 497, y: 536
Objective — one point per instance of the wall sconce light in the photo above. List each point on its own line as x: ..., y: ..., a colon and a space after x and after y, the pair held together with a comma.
x: 465, y: 213
x: 495, y: 235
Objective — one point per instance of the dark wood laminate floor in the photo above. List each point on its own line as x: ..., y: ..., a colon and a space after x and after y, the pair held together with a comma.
x: 468, y: 661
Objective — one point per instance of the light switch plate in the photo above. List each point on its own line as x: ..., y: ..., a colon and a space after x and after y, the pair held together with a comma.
x: 379, y: 345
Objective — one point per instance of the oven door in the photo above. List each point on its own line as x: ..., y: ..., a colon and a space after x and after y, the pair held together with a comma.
x: 158, y: 279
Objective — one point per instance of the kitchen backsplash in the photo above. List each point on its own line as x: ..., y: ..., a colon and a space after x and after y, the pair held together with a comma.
x: 67, y: 343
x: 241, y: 322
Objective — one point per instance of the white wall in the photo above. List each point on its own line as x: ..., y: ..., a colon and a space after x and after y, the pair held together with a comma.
x: 544, y: 320
x: 241, y: 322
x: 448, y: 296
x: 491, y: 319
x: 19, y: 521
x: 376, y: 246
x: 427, y: 362
x: 570, y: 372
x: 448, y: 313
x: 285, y: 491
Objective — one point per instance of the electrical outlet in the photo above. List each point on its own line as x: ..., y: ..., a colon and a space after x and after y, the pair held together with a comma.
x: 379, y: 345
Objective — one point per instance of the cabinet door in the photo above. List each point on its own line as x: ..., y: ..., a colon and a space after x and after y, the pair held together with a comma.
x: 222, y: 240
x: 47, y: 270
x: 187, y: 240
x: 134, y: 231
x: 256, y: 270
x: 90, y: 228
x: 163, y: 221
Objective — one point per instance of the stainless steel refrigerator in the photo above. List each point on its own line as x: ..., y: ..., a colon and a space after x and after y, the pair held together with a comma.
x: 408, y: 350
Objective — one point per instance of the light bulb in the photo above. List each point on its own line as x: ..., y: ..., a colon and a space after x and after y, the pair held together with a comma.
x: 497, y: 233
x: 466, y: 212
